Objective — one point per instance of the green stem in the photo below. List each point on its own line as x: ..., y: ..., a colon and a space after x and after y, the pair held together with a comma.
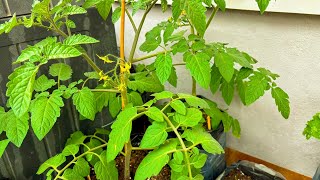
x: 214, y: 12
x: 131, y: 20
x: 141, y: 149
x: 105, y: 90
x: 184, y: 148
x: 68, y: 29
x: 97, y: 137
x: 84, y: 55
x: 179, y: 64
x: 194, y: 87
x: 77, y: 158
x: 149, y: 56
x: 136, y: 37
x: 194, y: 83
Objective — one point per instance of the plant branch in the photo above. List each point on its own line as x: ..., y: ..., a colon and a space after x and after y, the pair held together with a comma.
x: 131, y: 20
x: 214, y: 12
x: 149, y: 56
x: 141, y: 149
x: 77, y: 158
x: 184, y: 148
x: 105, y: 90
x: 137, y: 35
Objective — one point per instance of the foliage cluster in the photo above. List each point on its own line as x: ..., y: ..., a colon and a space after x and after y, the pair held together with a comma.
x: 178, y: 121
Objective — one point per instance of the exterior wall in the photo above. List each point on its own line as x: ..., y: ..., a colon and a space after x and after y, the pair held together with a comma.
x: 287, y: 44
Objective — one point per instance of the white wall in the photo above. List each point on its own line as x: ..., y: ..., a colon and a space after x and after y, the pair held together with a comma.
x: 287, y: 44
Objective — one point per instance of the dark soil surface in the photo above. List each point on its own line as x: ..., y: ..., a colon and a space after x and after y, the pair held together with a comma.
x: 237, y: 174
x: 136, y: 158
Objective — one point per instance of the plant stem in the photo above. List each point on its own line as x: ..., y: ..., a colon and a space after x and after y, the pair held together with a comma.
x: 214, y: 12
x: 184, y: 148
x: 194, y: 87
x: 105, y: 90
x: 131, y: 20
x: 77, y: 158
x: 124, y: 98
x: 179, y: 64
x: 194, y: 83
x: 84, y: 55
x: 149, y: 56
x: 141, y: 149
x: 68, y: 29
x: 136, y: 37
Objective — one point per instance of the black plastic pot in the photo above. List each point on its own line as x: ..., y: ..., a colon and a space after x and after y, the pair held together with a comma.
x: 317, y: 174
x: 215, y: 164
x: 254, y: 170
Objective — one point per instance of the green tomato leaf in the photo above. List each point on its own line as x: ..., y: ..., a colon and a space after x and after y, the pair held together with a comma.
x: 313, y: 127
x: 163, y: 65
x: 155, y: 114
x: 255, y: 88
x: 60, y: 70
x: 69, y: 174
x: 241, y: 86
x: 194, y: 101
x: 120, y: 133
x: 176, y: 10
x: 85, y: 103
x: 227, y: 89
x: 81, y: 167
x: 78, y: 39
x: 173, y: 78
x: 236, y: 129
x: 3, y: 146
x: 168, y: 31
x: 198, y: 160
x: 199, y: 67
x: 104, y: 7
x: 115, y: 106
x: 53, y: 162
x: 152, y: 164
x: 72, y: 10
x: 71, y: 149
x: 215, y: 79
x: 116, y: 15
x: 28, y: 52
x: 93, y: 143
x: 44, y: 113
x: 146, y: 84
x: 58, y: 50
x: 43, y: 83
x: 282, y: 101
x: 221, y: 4
x: 135, y: 98
x: 89, y: 3
x: 225, y: 64
x: 181, y: 46
x: 20, y: 88
x: 106, y: 169
x: 196, y: 12
x: 155, y: 135
x: 17, y: 128
x: 164, y: 5
x: 199, y: 136
x: 192, y: 117
x: 163, y: 95
x: 239, y: 57
x: 179, y: 107
x: 76, y: 138
x: 263, y: 4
